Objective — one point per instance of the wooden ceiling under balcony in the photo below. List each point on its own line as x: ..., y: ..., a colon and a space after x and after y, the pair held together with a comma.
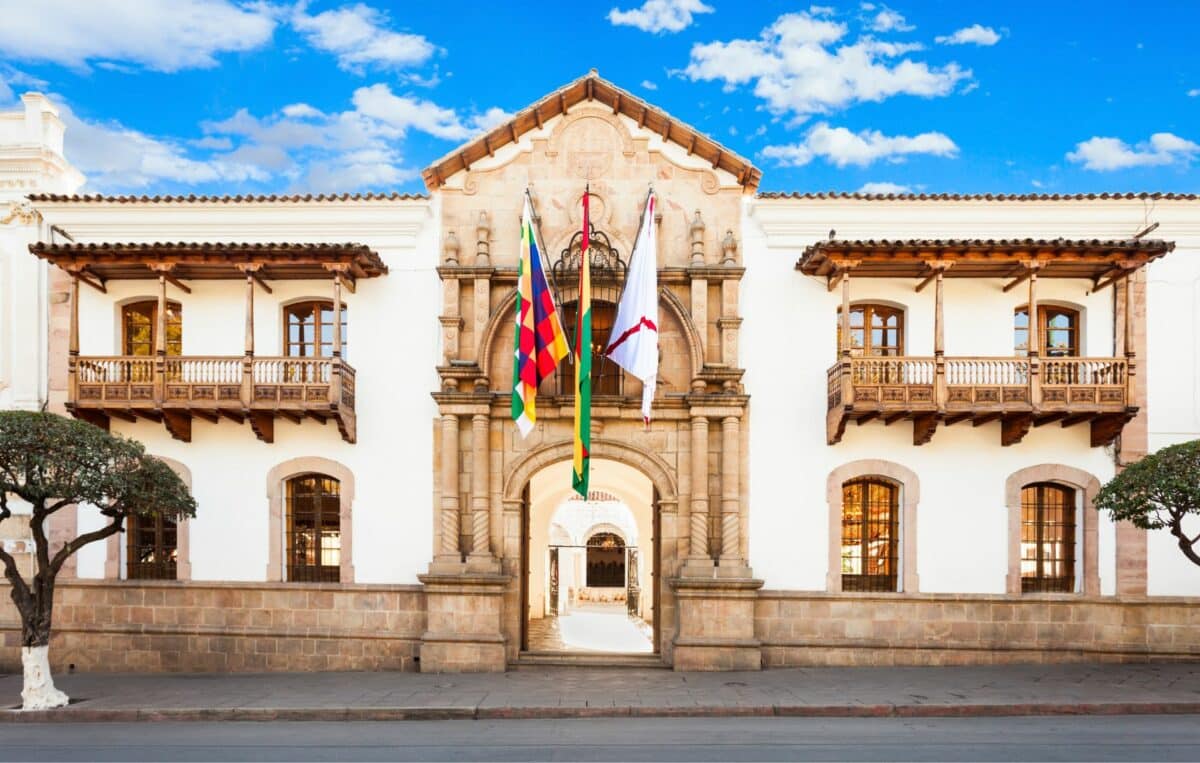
x: 980, y: 258
x: 208, y: 261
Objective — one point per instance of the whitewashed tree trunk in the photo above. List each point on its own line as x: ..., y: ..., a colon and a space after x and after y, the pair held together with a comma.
x: 39, y: 692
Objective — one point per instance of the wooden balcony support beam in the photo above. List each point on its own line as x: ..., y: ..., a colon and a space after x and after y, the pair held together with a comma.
x: 293, y: 416
x: 263, y: 424
x: 985, y: 418
x: 866, y: 417
x: 1077, y: 418
x: 1016, y: 281
x: 91, y: 279
x: 1044, y: 419
x: 1106, y: 427
x: 179, y: 424
x: 892, y: 418
x: 233, y: 415
x: 1014, y: 427
x: 924, y: 425
x: 955, y: 418
x: 177, y: 283
x: 124, y: 414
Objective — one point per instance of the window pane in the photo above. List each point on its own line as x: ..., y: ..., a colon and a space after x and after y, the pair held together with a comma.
x: 869, y: 532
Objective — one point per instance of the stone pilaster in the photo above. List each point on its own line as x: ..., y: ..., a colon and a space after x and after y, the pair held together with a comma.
x: 464, y: 624
x: 716, y: 624
x: 731, y: 499
x: 699, y: 561
x: 450, y: 553
x: 481, y: 557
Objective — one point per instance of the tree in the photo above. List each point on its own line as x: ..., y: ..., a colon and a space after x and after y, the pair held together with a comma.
x: 54, y: 463
x: 1159, y: 491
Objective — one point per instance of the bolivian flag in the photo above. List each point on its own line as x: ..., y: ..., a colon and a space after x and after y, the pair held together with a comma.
x: 539, y: 341
x: 583, y: 364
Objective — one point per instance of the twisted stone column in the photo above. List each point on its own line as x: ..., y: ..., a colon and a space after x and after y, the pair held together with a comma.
x: 731, y: 517
x: 450, y: 518
x: 699, y: 522
x: 480, y: 511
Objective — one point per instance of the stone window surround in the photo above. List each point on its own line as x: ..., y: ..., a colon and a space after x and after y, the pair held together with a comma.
x: 277, y: 495
x: 910, y: 495
x: 1087, y: 538
x: 114, y: 570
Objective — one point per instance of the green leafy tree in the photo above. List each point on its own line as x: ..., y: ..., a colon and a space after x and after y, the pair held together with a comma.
x: 50, y: 463
x: 1159, y: 491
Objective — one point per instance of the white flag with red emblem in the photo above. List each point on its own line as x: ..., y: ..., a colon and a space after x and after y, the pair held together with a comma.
x: 633, y: 341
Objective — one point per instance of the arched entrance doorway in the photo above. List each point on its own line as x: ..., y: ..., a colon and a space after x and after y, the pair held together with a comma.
x: 590, y: 568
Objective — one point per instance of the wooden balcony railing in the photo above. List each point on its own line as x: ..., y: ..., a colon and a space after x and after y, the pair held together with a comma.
x: 1019, y: 392
x: 174, y: 389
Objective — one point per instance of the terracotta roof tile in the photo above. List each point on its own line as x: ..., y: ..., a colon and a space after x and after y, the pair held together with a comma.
x: 238, y: 199
x: 1154, y: 196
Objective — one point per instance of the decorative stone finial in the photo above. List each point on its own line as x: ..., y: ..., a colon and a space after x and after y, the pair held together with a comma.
x: 450, y: 249
x: 483, y: 240
x: 697, y: 234
x: 729, y: 249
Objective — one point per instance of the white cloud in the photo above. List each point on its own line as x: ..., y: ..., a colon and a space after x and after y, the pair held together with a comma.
x: 820, y: 10
x: 888, y: 20
x: 1104, y: 154
x: 649, y: 85
x: 975, y: 34
x: 117, y: 158
x: 401, y: 113
x: 841, y: 147
x: 884, y: 188
x: 797, y: 66
x: 1194, y: 92
x: 164, y: 35
x: 659, y: 15
x: 358, y: 36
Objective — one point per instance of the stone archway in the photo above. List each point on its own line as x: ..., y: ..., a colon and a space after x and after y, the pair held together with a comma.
x: 661, y: 548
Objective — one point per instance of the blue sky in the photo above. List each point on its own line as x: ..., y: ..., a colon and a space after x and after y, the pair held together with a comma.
x: 219, y: 96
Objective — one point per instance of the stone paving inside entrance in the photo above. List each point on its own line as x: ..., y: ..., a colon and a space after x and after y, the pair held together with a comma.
x: 591, y: 627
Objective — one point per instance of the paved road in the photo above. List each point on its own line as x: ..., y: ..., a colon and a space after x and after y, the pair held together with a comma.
x: 1152, y: 738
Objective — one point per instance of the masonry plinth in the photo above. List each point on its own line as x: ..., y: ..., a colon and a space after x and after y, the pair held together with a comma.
x: 464, y: 632
x: 716, y: 624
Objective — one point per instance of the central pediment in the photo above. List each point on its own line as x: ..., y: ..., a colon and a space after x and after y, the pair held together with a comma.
x: 593, y: 88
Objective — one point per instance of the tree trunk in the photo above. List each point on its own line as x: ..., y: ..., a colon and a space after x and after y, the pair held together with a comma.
x: 39, y: 692
x: 1186, y: 544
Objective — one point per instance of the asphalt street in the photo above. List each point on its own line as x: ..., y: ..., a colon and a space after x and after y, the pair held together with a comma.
x: 1150, y: 738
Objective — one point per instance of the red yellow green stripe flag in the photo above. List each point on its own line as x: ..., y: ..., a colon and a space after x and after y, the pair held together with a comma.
x: 539, y: 342
x: 583, y: 364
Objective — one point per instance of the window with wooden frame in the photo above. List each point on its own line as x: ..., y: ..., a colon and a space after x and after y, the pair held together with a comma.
x: 139, y: 325
x: 870, y: 535
x: 1058, y: 331
x: 151, y: 548
x: 875, y: 330
x: 606, y: 375
x: 1047, y: 538
x: 309, y: 329
x: 314, y: 533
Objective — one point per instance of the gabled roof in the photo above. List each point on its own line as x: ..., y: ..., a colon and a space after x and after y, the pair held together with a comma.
x: 592, y: 87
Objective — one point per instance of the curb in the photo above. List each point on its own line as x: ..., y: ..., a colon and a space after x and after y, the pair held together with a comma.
x: 134, y: 715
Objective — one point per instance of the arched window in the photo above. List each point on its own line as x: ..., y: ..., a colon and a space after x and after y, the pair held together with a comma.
x: 1047, y: 538
x: 606, y: 375
x: 1058, y: 331
x: 605, y: 561
x: 870, y: 530
x: 151, y: 550
x: 139, y: 323
x: 875, y: 330
x: 314, y: 534
x: 309, y: 329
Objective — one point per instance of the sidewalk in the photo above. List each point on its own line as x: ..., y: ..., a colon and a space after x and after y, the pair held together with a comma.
x: 596, y: 692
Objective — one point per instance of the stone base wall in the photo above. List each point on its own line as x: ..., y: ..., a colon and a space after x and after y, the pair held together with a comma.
x: 804, y: 629
x: 151, y: 626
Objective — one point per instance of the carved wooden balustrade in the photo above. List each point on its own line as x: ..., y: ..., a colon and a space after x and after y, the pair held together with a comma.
x: 176, y: 389
x: 1019, y: 392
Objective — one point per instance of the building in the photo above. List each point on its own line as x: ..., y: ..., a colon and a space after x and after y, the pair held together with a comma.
x: 880, y: 421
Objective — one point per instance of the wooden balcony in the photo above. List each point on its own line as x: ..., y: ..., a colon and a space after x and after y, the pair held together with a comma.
x: 1018, y: 392
x: 173, y: 390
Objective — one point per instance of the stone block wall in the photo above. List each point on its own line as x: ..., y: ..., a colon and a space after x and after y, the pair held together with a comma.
x: 152, y: 626
x: 800, y: 629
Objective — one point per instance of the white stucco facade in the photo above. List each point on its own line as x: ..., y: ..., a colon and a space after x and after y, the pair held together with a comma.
x: 787, y: 343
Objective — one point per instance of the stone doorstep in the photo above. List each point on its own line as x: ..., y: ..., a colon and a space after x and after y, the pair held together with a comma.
x: 431, y: 713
